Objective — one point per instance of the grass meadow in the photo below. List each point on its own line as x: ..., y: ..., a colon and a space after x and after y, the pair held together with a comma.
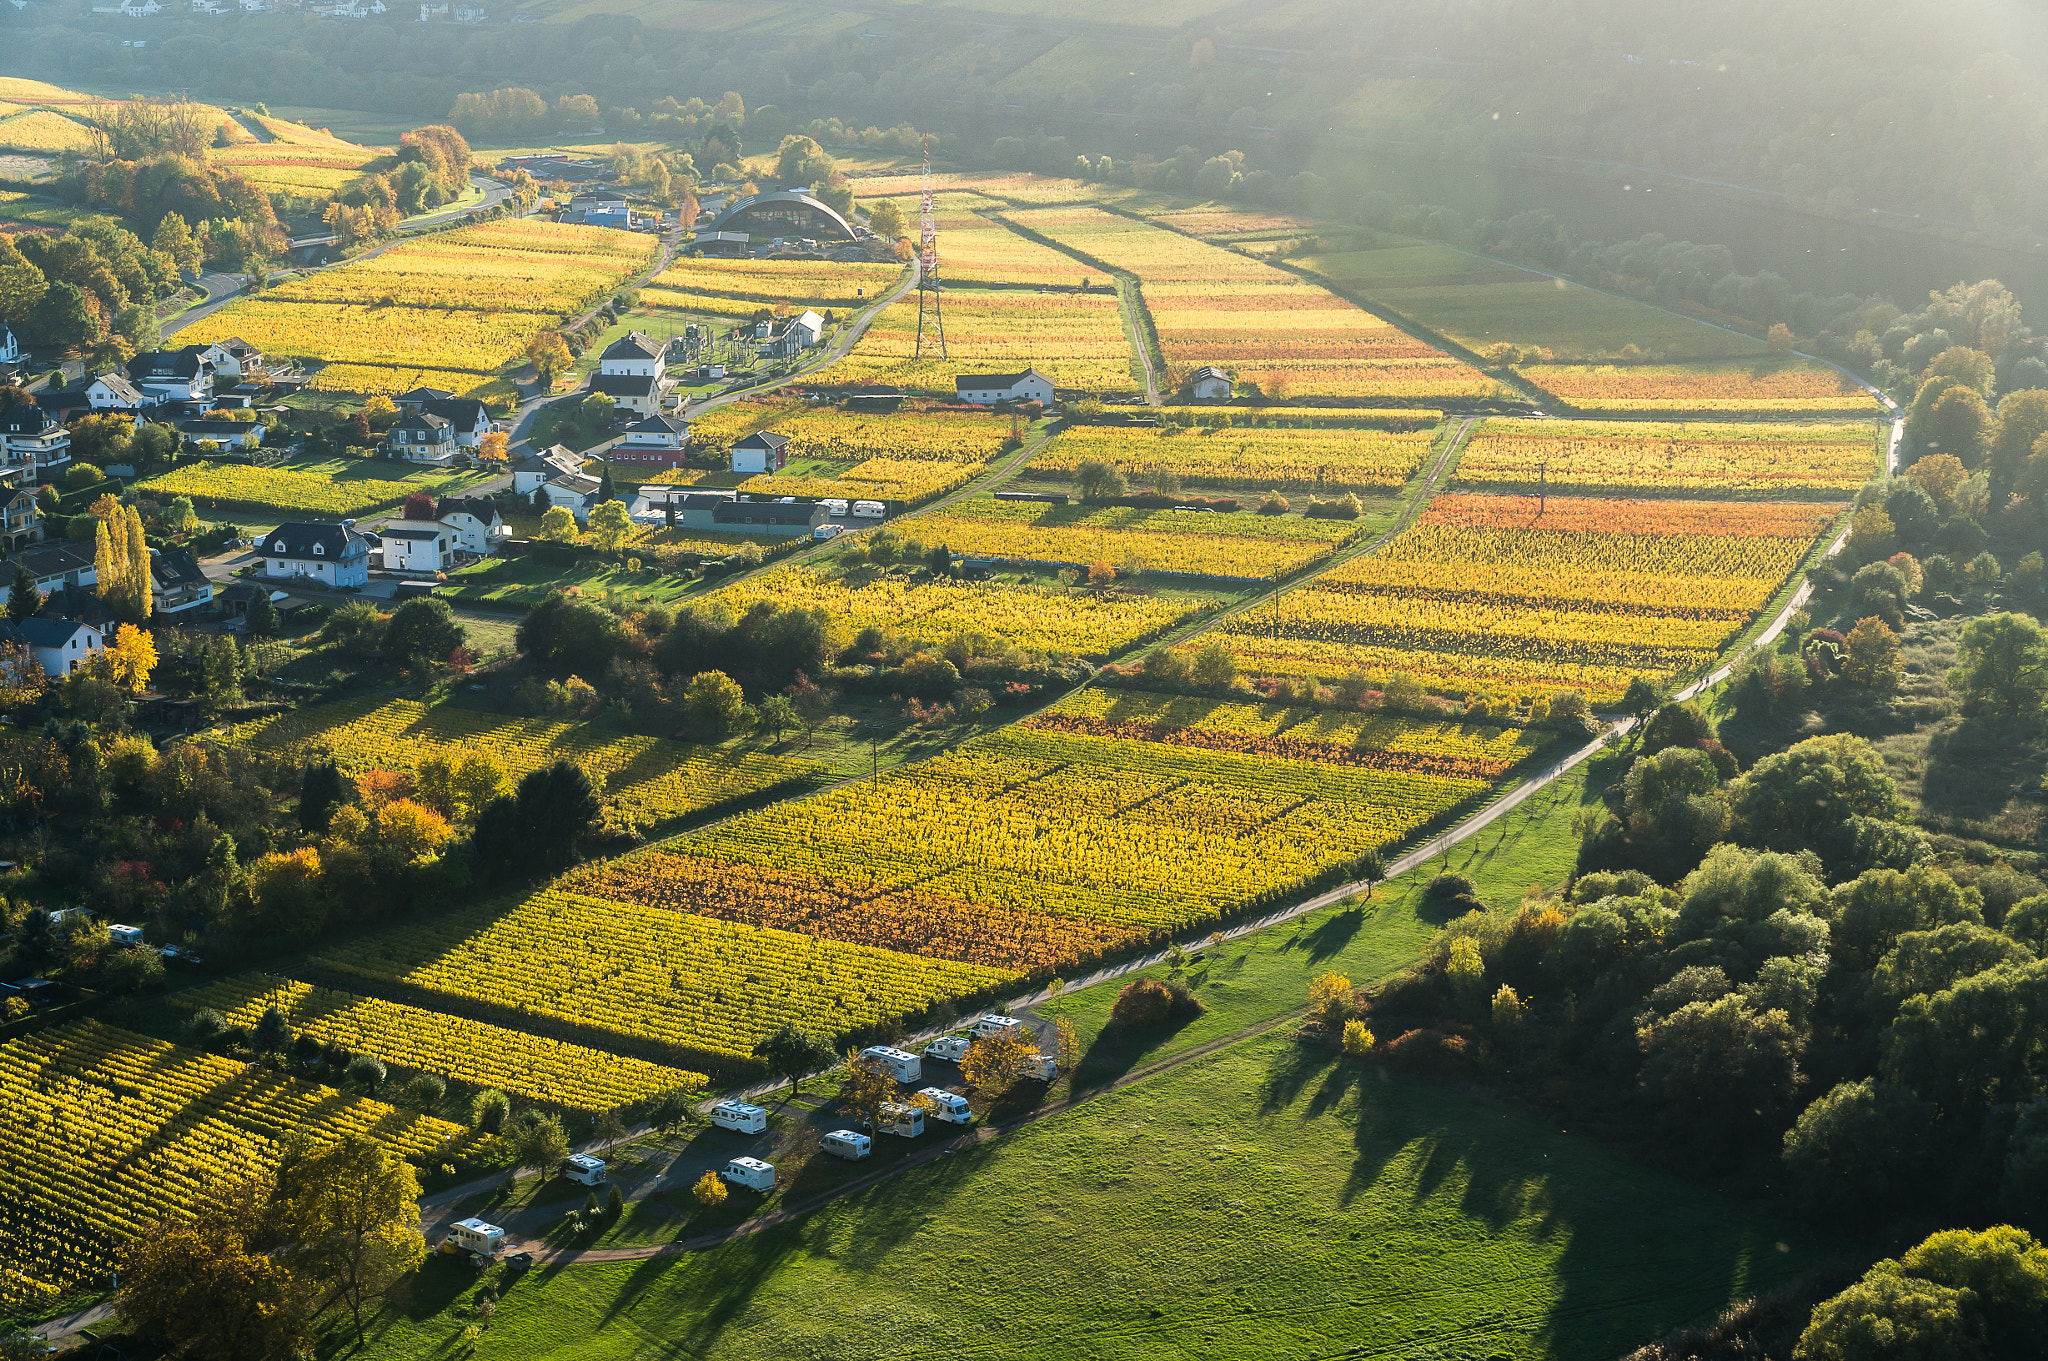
x: 1479, y: 302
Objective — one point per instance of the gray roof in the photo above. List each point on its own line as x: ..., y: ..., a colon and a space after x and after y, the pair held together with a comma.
x: 762, y: 439
x: 464, y: 413
x: 391, y: 533
x: 1004, y: 380
x: 1208, y: 371
x: 119, y: 386
x: 635, y: 345
x: 26, y: 419
x: 418, y: 396
x: 175, y: 567
x: 38, y: 631
x: 669, y: 425
x: 578, y: 483
x: 483, y: 507
x: 763, y: 513
x: 167, y: 364
x: 425, y: 422
x: 625, y: 384
x: 55, y: 559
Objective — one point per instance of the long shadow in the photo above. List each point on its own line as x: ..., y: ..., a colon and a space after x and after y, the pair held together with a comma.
x: 1118, y: 1049
x: 1333, y: 934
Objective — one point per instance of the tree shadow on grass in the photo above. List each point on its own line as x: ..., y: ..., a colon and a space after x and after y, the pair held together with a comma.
x: 1636, y: 1252
x: 1117, y: 1049
x: 1332, y: 934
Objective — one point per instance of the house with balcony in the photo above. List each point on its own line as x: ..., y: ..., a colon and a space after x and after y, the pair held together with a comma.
x: 176, y: 583
x: 654, y: 442
x: 36, y: 447
x: 180, y: 375
x: 423, y: 437
x: 232, y: 358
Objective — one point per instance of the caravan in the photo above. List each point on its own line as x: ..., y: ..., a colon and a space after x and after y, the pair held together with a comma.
x: 739, y: 1117
x: 897, y: 1118
x: 897, y: 1063
x: 845, y: 1143
x: 475, y: 1236
x: 583, y: 1169
x: 986, y: 1026
x: 751, y: 1173
x: 947, y: 1106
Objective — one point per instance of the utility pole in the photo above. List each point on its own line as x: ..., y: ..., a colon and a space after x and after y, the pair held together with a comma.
x: 1542, y: 487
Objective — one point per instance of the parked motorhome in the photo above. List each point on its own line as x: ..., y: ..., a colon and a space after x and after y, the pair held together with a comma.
x: 583, y: 1169
x: 739, y: 1117
x: 847, y: 1144
x: 751, y: 1173
x: 897, y: 1063
x: 950, y: 1107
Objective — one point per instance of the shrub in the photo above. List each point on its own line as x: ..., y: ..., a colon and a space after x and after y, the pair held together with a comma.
x: 1143, y: 1002
x: 365, y: 1071
x: 1358, y: 1040
x: 710, y: 1190
x: 488, y: 1109
x: 426, y: 1090
x: 1432, y: 1051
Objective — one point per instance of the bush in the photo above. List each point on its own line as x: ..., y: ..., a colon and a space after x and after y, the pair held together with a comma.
x: 426, y: 1090
x: 205, y: 1024
x: 710, y: 1190
x: 365, y: 1071
x: 1358, y: 1041
x: 1431, y: 1051
x: 488, y: 1109
x: 1143, y: 1002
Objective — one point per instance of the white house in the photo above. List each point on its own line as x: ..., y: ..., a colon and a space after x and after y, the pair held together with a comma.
x: 654, y: 442
x: 1210, y: 384
x: 424, y: 437
x: 761, y: 452
x: 234, y: 357
x: 475, y: 524
x: 637, y: 354
x: 10, y: 345
x: 325, y: 555
x: 789, y: 335
x: 576, y: 493
x: 112, y: 392
x: 33, y: 441
x: 417, y: 546
x: 176, y: 584
x: 638, y: 394
x: 986, y: 389
x: 224, y: 434
x: 181, y: 375
x: 61, y: 645
x: 533, y: 471
x: 466, y: 416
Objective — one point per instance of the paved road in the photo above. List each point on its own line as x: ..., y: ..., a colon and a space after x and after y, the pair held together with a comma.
x: 220, y: 290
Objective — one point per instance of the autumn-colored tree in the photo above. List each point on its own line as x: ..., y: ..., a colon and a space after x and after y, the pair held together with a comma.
x: 610, y: 524
x: 1465, y: 968
x: 995, y: 1062
x: 1871, y: 656
x: 1358, y: 1041
x: 549, y: 355
x: 494, y: 447
x: 433, y: 784
x: 379, y: 787
x: 1871, y: 534
x: 1779, y: 339
x: 885, y: 219
x: 558, y: 525
x: 715, y: 700
x: 380, y: 413
x: 1509, y: 1010
x: 351, y: 1211
x: 866, y: 1087
x: 479, y: 780
x: 1329, y: 998
x: 121, y: 560
x: 710, y: 1190
x: 1066, y: 1043
x: 419, y: 506
x: 205, y: 1286
x: 132, y: 656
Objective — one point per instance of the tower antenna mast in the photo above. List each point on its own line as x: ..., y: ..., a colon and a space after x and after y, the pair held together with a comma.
x: 928, y: 264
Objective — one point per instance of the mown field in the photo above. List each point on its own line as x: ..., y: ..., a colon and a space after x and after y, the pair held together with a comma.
x: 1479, y: 302
x: 1264, y: 1202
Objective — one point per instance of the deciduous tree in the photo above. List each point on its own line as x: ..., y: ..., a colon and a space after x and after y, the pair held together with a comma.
x: 351, y: 1212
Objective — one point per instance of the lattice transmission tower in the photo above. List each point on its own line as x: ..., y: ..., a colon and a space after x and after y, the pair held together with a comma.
x: 929, y: 299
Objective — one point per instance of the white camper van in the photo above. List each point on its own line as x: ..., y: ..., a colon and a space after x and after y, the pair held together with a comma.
x: 751, y: 1173
x: 845, y: 1143
x: 986, y: 1026
x: 897, y: 1063
x: 897, y: 1118
x: 473, y: 1234
x: 869, y: 510
x: 947, y: 1106
x: 739, y: 1117
x: 583, y: 1169
x: 952, y: 1048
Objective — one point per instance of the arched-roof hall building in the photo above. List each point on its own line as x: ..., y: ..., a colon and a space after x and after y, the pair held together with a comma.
x: 785, y: 213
